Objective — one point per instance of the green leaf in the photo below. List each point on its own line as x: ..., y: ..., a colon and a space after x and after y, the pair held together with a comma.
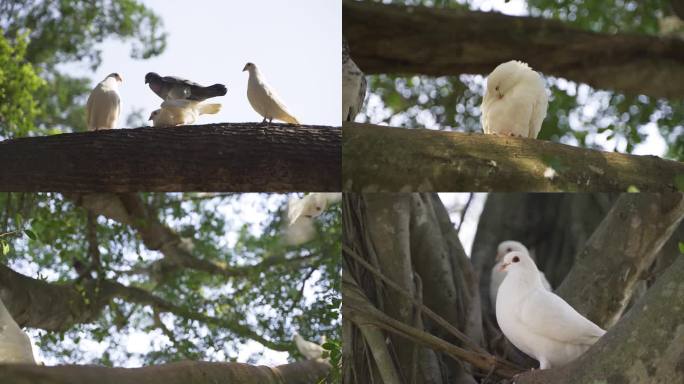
x: 30, y: 234
x: 6, y: 247
x: 632, y: 189
x: 681, y: 248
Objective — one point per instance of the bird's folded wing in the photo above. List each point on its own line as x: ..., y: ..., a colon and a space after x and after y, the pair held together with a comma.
x: 179, y: 81
x: 178, y: 103
x: 295, y: 208
x: 547, y: 315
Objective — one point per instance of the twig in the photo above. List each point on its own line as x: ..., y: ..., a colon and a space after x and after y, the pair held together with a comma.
x: 464, y: 211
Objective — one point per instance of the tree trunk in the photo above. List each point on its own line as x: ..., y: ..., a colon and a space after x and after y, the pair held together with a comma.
x: 426, y: 160
x: 645, y: 347
x: 184, y: 372
x: 409, y: 238
x: 241, y: 157
x: 438, y: 41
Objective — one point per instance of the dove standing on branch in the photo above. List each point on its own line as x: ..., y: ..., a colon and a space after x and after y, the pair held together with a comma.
x: 498, y: 275
x: 308, y: 349
x: 174, y: 88
x: 263, y: 98
x: 104, y: 105
x: 538, y: 322
x: 353, y: 85
x: 181, y: 112
x: 15, y: 345
x: 514, y: 102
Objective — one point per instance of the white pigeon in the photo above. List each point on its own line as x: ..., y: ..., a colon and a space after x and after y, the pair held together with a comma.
x: 308, y: 349
x: 311, y: 205
x: 537, y: 321
x: 104, y: 105
x: 353, y: 85
x: 181, y: 112
x: 498, y: 275
x: 263, y: 98
x: 514, y: 102
x: 15, y: 345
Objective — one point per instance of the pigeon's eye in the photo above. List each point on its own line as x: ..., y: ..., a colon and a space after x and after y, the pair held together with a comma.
x: 508, y: 249
x: 516, y: 259
x: 497, y: 88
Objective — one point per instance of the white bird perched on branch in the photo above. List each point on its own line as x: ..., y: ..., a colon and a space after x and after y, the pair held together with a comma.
x: 181, y: 112
x: 15, y: 345
x: 311, y: 205
x: 263, y: 98
x: 300, y: 215
x: 353, y: 85
x: 538, y: 322
x: 514, y: 102
x: 308, y: 349
x: 498, y: 275
x: 104, y: 105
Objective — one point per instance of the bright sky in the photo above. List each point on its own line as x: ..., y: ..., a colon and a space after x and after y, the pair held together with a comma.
x: 295, y: 43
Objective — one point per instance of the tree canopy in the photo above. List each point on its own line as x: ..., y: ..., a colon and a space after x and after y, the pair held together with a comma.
x: 153, y: 278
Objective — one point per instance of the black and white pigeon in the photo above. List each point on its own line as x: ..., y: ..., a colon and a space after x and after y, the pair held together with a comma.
x: 174, y: 88
x: 353, y: 85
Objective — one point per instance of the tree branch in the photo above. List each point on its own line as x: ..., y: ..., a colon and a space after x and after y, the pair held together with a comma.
x: 239, y: 157
x: 437, y: 41
x: 301, y: 372
x: 426, y: 160
x: 624, y: 245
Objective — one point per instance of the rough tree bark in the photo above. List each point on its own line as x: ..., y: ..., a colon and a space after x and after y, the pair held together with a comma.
x: 426, y: 160
x: 241, y: 157
x: 185, y: 372
x: 438, y: 41
x: 604, y: 275
x: 645, y: 347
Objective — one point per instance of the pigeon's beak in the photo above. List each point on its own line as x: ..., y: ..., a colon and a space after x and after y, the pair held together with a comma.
x: 503, y: 267
x: 244, y: 69
x: 498, y: 257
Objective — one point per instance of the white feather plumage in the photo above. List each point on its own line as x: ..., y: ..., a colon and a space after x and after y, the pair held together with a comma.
x: 538, y: 322
x: 104, y: 105
x: 498, y: 275
x: 15, y: 345
x: 515, y: 101
x: 263, y: 98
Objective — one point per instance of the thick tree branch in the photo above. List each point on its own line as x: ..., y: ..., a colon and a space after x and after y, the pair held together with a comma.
x: 624, y: 245
x: 426, y: 160
x: 239, y: 157
x: 644, y: 347
x: 58, y: 307
x: 184, y: 372
x: 130, y: 209
x: 436, y: 41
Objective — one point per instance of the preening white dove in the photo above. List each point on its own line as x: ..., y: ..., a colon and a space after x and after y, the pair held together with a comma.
x: 498, y: 275
x: 263, y: 98
x: 353, y: 85
x: 538, y: 322
x: 15, y: 345
x: 515, y: 101
x: 104, y: 105
x: 181, y: 112
x: 308, y: 349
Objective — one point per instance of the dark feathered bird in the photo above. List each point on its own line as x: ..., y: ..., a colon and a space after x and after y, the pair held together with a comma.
x: 172, y: 88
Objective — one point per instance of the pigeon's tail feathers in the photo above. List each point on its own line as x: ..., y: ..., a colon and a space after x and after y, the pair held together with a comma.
x: 290, y: 119
x: 211, y: 91
x: 209, y: 109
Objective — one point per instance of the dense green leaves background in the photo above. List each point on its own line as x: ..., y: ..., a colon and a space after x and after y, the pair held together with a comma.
x: 233, y: 229
x: 578, y: 114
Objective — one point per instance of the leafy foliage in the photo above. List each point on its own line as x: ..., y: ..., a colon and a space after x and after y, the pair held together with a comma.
x: 578, y: 114
x: 227, y: 229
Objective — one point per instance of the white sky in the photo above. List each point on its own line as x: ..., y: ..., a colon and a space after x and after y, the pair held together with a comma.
x: 295, y: 43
